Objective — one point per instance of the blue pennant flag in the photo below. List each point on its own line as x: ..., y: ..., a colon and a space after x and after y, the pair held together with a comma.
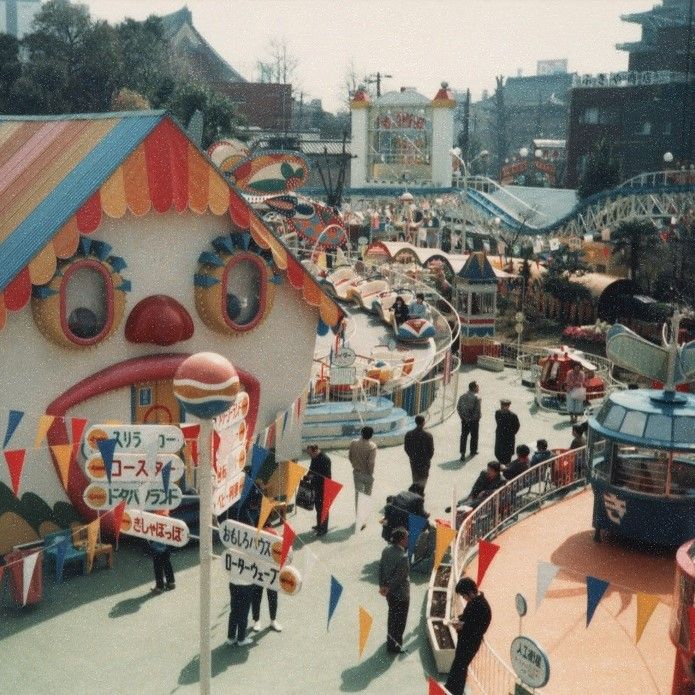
x: 106, y: 449
x: 595, y: 589
x: 166, y: 475
x: 416, y: 525
x: 258, y: 456
x: 336, y: 591
x: 13, y: 421
x: 61, y: 552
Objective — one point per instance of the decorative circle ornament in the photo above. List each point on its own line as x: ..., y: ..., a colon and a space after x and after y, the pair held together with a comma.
x: 206, y: 384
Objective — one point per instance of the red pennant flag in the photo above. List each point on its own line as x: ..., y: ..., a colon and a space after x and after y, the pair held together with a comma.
x: 331, y: 488
x: 486, y: 551
x: 15, y: 464
x: 288, y: 536
x: 435, y: 688
x: 191, y: 432
x: 77, y: 426
x: 691, y: 620
x: 118, y: 511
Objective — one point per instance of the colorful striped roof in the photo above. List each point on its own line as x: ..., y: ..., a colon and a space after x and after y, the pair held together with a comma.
x: 60, y: 175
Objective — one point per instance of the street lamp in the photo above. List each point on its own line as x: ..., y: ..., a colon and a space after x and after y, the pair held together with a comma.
x: 524, y: 153
x: 456, y: 152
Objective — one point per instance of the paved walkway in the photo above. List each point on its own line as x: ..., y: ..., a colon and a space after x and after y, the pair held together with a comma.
x: 106, y: 634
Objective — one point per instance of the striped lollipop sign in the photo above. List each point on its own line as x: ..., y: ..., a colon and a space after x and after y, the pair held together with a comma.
x: 206, y: 384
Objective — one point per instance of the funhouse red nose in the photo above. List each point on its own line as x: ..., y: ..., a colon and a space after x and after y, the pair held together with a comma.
x: 159, y: 320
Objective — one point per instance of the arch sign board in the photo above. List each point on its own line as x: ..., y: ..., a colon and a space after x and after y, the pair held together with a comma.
x: 530, y: 662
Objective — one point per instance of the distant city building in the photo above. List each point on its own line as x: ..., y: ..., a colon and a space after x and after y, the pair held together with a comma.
x: 265, y: 105
x: 645, y: 111
x: 17, y: 16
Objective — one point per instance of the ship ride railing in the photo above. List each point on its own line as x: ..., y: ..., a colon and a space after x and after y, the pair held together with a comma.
x: 543, y: 484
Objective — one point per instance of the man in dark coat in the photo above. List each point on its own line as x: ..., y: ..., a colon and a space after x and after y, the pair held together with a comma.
x: 507, y: 426
x: 471, y: 627
x: 419, y: 445
x: 468, y: 408
x: 394, y: 585
x: 320, y: 469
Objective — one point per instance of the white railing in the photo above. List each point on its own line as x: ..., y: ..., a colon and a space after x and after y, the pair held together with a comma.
x: 654, y: 179
x: 543, y: 484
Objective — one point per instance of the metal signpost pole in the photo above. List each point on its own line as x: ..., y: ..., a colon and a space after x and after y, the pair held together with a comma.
x: 205, y: 548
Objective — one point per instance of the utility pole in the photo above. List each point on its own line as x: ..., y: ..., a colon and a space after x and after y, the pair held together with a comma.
x: 375, y: 78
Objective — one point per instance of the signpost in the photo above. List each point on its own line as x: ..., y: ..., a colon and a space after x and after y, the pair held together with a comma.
x: 154, y: 527
x: 135, y: 467
x: 141, y: 495
x: 530, y: 662
x: 246, y: 539
x: 137, y: 438
x: 286, y: 579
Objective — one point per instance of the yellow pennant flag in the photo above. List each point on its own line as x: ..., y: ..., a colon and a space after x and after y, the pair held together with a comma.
x: 295, y: 473
x: 92, y: 534
x: 445, y: 535
x: 45, y: 422
x: 646, y: 603
x: 365, y: 628
x: 63, y: 453
x: 266, y: 508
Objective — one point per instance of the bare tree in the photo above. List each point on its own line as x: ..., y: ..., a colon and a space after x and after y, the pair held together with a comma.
x: 351, y: 81
x: 280, y: 65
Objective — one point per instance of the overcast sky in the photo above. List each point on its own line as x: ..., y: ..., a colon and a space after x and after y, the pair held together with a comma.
x: 420, y: 43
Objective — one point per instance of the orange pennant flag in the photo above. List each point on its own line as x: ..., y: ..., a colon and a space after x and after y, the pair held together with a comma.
x: 45, y: 422
x: 295, y: 473
x: 365, y: 628
x: 62, y: 454
x: 445, y: 535
x: 266, y: 508
x: 92, y: 535
x: 646, y: 603
x: 15, y: 463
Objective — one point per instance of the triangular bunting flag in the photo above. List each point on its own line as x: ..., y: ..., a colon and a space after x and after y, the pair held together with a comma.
x: 334, y: 597
x: 106, y: 449
x: 435, y: 688
x: 118, y: 512
x: 266, y: 508
x: 646, y: 603
x: 295, y: 473
x: 77, y: 426
x: 545, y: 574
x: 445, y: 535
x: 61, y: 552
x: 45, y: 422
x: 166, y: 476
x: 691, y: 618
x: 288, y: 536
x: 306, y: 563
x: 331, y: 488
x: 258, y: 456
x: 486, y: 551
x: 365, y: 506
x: 366, y: 620
x: 270, y: 437
x: 416, y: 525
x: 191, y: 432
x: 13, y: 421
x: 279, y: 419
x: 92, y: 535
x: 28, y: 567
x: 595, y: 589
x: 15, y: 464
x: 63, y: 454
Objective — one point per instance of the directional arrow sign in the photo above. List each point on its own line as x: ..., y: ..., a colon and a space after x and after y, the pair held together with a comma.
x: 134, y: 467
x: 250, y: 541
x: 137, y: 438
x: 102, y: 496
x: 154, y: 527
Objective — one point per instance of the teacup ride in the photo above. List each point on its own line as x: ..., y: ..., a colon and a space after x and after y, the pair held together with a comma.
x: 364, y: 293
x: 342, y: 279
x: 390, y: 363
x: 551, y: 384
x: 642, y: 444
x: 382, y: 304
x: 416, y: 330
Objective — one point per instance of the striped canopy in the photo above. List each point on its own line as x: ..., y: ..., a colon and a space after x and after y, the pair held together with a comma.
x: 60, y: 175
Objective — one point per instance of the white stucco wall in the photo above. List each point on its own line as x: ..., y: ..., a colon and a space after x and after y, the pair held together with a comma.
x: 442, y: 142
x: 161, y: 252
x: 358, y: 147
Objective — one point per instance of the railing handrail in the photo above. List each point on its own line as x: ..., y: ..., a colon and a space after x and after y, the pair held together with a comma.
x: 503, y: 499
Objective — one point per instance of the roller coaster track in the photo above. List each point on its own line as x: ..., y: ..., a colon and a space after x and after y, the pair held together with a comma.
x: 656, y: 196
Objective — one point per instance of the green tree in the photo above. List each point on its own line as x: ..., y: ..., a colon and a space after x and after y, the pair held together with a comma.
x: 634, y: 238
x: 220, y: 119
x: 10, y: 69
x: 602, y: 171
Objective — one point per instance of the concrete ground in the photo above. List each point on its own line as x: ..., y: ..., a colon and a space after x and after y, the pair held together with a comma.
x: 105, y: 633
